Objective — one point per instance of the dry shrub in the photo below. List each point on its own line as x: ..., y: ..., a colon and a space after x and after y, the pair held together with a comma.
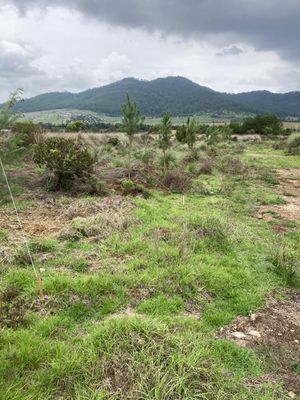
x: 231, y: 166
x: 206, y: 166
x: 176, y: 181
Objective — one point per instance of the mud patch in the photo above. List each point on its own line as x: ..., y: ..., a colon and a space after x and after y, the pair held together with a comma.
x: 274, y: 333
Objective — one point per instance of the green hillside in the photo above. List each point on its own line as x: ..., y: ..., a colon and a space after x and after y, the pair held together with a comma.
x: 177, y: 95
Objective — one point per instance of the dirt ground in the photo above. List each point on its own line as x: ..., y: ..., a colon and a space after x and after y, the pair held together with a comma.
x: 50, y: 215
x: 274, y: 333
x: 289, y: 189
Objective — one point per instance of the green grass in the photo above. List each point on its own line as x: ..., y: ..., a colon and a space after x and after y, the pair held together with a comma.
x: 211, y: 264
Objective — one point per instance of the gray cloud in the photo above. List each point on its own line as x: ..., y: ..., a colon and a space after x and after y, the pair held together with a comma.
x: 230, y: 51
x: 17, y: 60
x: 267, y: 25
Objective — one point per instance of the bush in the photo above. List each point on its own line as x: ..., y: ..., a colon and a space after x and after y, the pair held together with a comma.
x: 293, y: 143
x: 168, y: 160
x: 231, y: 166
x: 286, y: 262
x: 176, y: 181
x: 65, y: 159
x: 95, y: 187
x: 113, y: 141
x: 27, y: 131
x: 131, y: 188
x: 206, y: 166
x: 76, y: 126
x: 262, y: 124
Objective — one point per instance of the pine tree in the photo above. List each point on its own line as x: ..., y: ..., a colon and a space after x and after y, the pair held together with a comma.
x: 187, y: 133
x: 131, y: 121
x: 165, y: 134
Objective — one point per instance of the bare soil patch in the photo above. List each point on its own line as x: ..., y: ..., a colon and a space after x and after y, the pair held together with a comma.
x: 289, y: 188
x: 274, y: 333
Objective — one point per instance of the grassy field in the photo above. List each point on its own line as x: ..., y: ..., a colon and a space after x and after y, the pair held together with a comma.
x: 138, y: 290
x: 57, y: 117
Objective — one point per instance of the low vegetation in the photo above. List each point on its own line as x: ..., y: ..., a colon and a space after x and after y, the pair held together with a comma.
x: 149, y: 267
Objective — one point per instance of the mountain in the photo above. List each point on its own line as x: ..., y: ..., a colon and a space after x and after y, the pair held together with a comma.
x: 178, y: 95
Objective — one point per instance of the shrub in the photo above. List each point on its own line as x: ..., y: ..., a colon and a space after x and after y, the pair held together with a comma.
x: 131, y: 188
x: 65, y: 159
x: 168, y: 160
x: 293, y: 143
x: 176, y: 181
x: 187, y: 133
x: 231, y: 166
x: 28, y: 131
x: 7, y: 116
x: 206, y: 166
x: 286, y: 262
x: 95, y: 187
x: 262, y: 124
x: 113, y: 141
x: 145, y: 156
x: 76, y: 126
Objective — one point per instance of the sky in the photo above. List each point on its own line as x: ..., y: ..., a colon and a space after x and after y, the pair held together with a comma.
x: 73, y: 45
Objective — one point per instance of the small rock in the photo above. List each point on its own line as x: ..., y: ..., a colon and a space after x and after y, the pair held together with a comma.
x: 238, y: 335
x: 279, y: 334
x: 252, y: 317
x: 296, y: 341
x: 291, y: 395
x: 255, y: 334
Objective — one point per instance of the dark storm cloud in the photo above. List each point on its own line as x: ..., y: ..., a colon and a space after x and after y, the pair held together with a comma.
x: 265, y: 24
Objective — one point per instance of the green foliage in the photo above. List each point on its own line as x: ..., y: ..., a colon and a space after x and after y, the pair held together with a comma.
x: 268, y: 124
x: 76, y: 126
x: 187, y: 133
x: 177, y: 95
x: 66, y: 159
x: 293, y: 143
x: 168, y: 160
x: 7, y: 116
x: 96, y: 187
x: 27, y: 131
x: 165, y: 132
x: 132, y: 188
x: 286, y: 260
x: 131, y: 118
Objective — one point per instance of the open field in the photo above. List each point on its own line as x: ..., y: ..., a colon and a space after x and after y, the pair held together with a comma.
x: 57, y: 117
x: 164, y: 294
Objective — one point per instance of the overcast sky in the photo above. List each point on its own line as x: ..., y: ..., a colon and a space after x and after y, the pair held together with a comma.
x: 228, y: 45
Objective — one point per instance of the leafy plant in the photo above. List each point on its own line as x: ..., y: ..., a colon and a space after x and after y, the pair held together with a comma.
x: 187, y: 133
x: 66, y: 159
x: 7, y: 116
x: 167, y: 160
x: 293, y: 143
x: 28, y: 131
x: 76, y: 126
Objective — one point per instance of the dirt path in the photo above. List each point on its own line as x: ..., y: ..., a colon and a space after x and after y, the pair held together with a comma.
x: 289, y: 189
x: 273, y: 332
